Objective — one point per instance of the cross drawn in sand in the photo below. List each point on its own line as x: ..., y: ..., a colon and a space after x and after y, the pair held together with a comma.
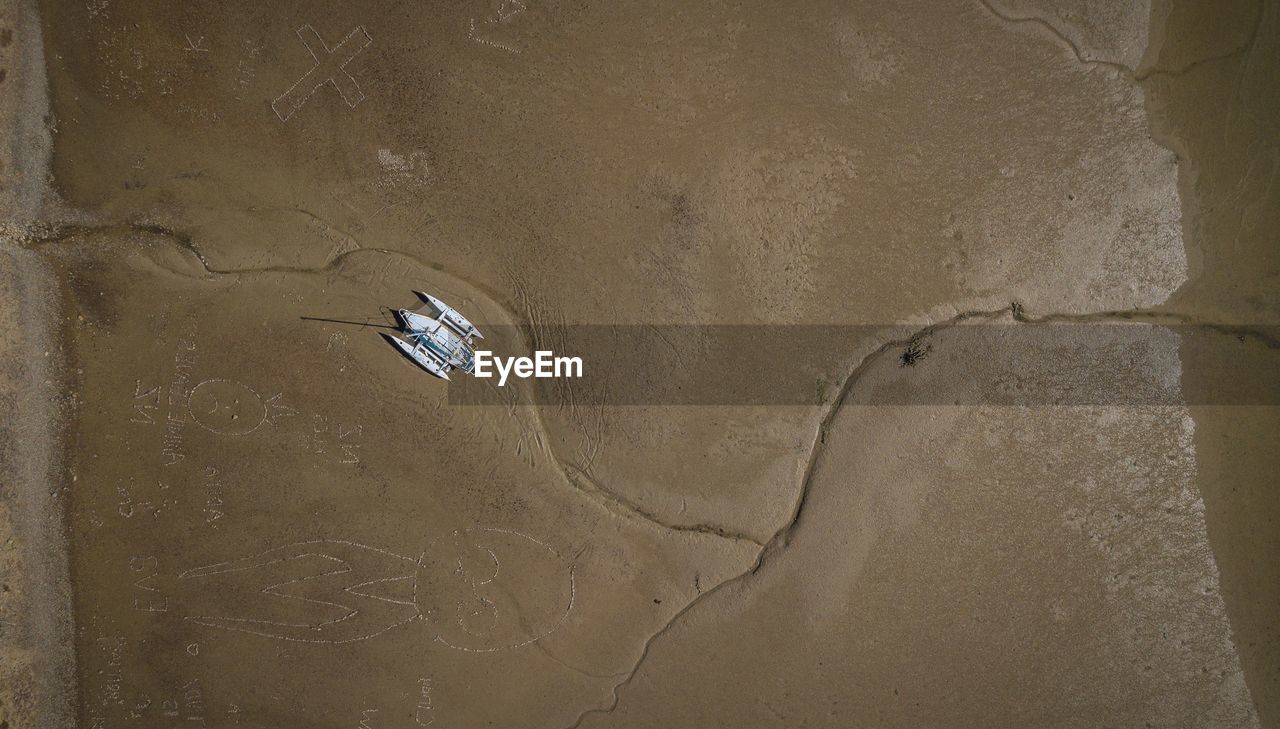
x: 330, y: 68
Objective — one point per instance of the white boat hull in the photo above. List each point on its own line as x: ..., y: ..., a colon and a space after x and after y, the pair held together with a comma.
x: 437, y: 344
x: 416, y: 322
x: 422, y: 357
x: 444, y: 341
x: 452, y: 317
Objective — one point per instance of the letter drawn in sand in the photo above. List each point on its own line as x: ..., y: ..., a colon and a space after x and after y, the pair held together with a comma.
x: 195, y: 46
x: 146, y: 403
x: 146, y: 566
x: 330, y: 68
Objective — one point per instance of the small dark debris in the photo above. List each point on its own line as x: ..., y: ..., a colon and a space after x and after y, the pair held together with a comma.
x: 656, y: 601
x: 914, y: 352
x: 682, y: 211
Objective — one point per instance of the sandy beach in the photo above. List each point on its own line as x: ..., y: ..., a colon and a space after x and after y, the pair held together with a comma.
x: 831, y: 463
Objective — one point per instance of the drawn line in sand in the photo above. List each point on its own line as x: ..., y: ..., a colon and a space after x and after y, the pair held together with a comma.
x: 471, y: 33
x: 383, y: 590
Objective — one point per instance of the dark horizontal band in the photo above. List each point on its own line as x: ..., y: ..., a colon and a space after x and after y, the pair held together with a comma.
x: 1127, y: 363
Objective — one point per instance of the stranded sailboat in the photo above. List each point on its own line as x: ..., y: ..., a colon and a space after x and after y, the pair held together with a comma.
x: 440, y: 341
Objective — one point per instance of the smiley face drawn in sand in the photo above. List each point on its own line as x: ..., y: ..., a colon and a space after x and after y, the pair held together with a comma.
x: 486, y: 589
x: 226, y: 407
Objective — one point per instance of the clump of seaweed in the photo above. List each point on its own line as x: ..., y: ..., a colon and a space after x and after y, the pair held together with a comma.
x: 915, y: 351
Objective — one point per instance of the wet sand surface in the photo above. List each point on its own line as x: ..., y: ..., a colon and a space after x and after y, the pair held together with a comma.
x: 269, y: 518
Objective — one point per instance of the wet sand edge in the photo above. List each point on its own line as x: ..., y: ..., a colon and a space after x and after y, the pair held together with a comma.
x: 37, y: 658
x: 37, y: 661
x: 1233, y: 461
